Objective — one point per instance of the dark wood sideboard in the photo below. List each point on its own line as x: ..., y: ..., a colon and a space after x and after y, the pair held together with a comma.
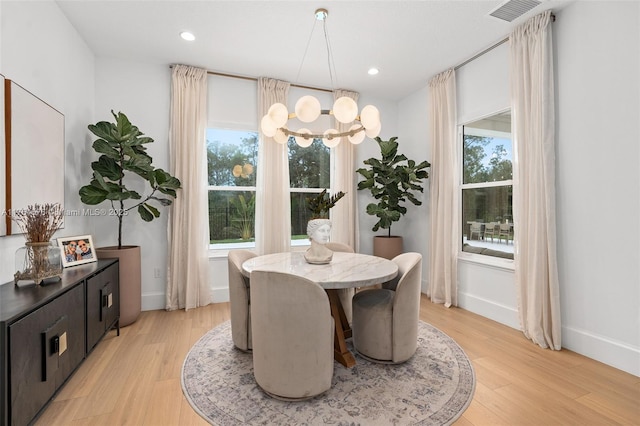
x: 46, y: 332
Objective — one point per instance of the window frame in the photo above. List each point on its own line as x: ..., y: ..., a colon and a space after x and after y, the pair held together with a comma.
x: 476, y: 258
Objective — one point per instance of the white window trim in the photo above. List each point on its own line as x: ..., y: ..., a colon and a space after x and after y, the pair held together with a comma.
x: 489, y: 261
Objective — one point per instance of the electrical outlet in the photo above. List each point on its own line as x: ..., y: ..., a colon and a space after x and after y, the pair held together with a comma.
x: 156, y: 273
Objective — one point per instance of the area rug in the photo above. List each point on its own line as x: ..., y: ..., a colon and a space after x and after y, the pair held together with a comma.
x: 433, y: 388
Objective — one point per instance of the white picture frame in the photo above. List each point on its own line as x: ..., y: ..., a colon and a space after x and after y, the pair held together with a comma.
x: 77, y: 250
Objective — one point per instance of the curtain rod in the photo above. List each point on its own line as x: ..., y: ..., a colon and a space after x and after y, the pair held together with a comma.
x: 490, y: 48
x: 255, y: 79
x: 243, y: 77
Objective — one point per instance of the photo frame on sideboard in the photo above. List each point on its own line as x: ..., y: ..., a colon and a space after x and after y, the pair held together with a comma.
x: 34, y: 152
x: 77, y: 250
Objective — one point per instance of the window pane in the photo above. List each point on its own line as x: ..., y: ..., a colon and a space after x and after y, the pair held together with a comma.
x: 231, y: 216
x: 484, y: 211
x: 488, y: 150
x: 300, y: 214
x: 232, y: 157
x: 309, y: 166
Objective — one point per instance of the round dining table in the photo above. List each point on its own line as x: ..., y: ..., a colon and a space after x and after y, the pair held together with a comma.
x: 346, y: 270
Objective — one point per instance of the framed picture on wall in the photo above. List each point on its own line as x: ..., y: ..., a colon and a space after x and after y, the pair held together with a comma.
x: 77, y: 250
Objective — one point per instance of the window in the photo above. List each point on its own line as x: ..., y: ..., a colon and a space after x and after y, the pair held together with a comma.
x: 232, y: 165
x: 487, y: 187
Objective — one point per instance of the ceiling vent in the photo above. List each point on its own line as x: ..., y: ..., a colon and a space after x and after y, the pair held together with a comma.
x: 512, y: 9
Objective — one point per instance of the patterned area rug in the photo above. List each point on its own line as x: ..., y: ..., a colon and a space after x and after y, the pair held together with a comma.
x: 433, y: 388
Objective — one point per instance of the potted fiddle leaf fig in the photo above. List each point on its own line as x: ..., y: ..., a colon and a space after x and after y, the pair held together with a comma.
x: 392, y: 180
x: 123, y: 155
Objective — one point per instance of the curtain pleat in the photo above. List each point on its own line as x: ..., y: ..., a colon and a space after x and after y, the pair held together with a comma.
x: 273, y: 201
x: 343, y: 215
x: 532, y: 92
x: 188, y: 230
x: 445, y: 229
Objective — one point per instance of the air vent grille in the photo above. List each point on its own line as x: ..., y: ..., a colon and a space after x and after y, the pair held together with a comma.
x: 513, y: 9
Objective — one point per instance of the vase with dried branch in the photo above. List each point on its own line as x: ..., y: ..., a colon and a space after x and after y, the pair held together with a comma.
x: 38, y: 260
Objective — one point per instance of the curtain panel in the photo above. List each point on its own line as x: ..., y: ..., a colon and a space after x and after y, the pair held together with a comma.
x: 188, y: 230
x: 532, y: 92
x: 273, y: 200
x: 445, y: 229
x: 344, y: 220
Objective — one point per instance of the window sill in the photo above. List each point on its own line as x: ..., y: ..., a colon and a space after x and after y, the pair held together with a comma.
x: 488, y: 261
x: 222, y: 250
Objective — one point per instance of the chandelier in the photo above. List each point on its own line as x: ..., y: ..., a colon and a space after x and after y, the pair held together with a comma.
x: 308, y: 109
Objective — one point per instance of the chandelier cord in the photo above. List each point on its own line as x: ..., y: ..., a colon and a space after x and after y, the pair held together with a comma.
x: 333, y: 77
x: 306, y: 49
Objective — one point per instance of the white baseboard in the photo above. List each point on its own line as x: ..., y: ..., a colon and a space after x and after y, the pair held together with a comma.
x: 153, y: 301
x: 489, y: 309
x: 220, y: 295
x: 611, y: 352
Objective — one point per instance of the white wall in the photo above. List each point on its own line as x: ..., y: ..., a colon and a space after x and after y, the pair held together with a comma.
x: 42, y: 52
x: 598, y: 179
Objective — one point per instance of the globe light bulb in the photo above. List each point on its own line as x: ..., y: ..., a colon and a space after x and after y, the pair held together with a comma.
x: 370, y: 117
x: 330, y: 142
x: 281, y: 136
x: 345, y: 110
x: 358, y: 137
x: 279, y: 114
x: 372, y: 133
x: 268, y: 126
x: 302, y: 141
x: 307, y: 109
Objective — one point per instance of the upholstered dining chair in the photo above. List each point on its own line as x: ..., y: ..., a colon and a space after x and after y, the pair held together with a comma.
x: 292, y: 335
x: 491, y: 230
x: 385, y: 321
x: 239, y: 299
x: 345, y: 294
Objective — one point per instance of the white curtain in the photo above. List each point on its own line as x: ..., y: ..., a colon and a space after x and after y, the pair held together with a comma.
x: 273, y: 202
x: 531, y: 68
x: 443, y: 190
x: 344, y: 226
x: 188, y: 230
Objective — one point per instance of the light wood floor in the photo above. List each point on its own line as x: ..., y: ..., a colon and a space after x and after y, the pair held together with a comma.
x: 134, y: 379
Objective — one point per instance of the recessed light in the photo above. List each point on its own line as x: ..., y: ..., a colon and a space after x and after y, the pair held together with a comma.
x: 373, y: 71
x: 186, y: 35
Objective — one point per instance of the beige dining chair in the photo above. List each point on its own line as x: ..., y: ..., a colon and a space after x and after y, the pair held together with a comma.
x: 476, y: 228
x: 491, y: 230
x: 505, y: 232
x: 239, y: 299
x: 292, y: 335
x: 385, y: 322
x: 345, y: 294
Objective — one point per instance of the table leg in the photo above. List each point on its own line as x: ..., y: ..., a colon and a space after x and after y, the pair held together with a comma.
x: 342, y: 331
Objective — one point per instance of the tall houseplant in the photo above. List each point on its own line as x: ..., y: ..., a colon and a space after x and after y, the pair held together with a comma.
x: 392, y: 180
x: 122, y: 150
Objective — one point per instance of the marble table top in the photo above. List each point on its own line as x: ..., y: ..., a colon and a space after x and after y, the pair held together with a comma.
x: 346, y: 270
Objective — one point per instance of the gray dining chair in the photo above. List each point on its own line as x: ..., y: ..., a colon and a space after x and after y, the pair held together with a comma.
x: 491, y: 230
x: 385, y: 321
x: 345, y: 294
x: 239, y: 299
x: 293, y: 333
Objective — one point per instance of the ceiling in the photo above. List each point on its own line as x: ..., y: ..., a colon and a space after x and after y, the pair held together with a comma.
x: 409, y: 41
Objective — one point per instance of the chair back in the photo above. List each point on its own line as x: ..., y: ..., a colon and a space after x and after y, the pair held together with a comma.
x: 292, y: 335
x: 406, y: 305
x: 338, y: 247
x: 239, y: 299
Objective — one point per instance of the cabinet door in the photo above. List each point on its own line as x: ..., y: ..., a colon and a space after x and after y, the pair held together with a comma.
x: 103, y: 304
x: 45, y: 348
